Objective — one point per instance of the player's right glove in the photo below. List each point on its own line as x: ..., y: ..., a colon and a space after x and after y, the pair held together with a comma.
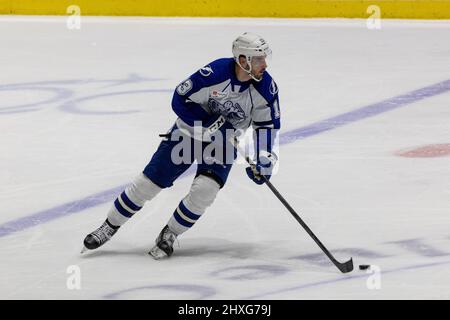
x: 263, y: 167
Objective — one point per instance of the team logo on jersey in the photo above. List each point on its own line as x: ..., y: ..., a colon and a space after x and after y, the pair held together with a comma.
x: 206, y: 71
x: 273, y: 88
x: 184, y: 87
x: 231, y: 111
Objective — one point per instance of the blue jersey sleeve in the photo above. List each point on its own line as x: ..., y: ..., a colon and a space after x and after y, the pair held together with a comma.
x: 266, y: 118
x: 190, y: 109
x: 268, y: 113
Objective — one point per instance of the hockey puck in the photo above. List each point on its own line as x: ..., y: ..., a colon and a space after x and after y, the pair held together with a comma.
x: 364, y: 266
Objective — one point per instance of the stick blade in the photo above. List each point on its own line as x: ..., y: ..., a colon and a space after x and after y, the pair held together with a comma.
x: 346, y: 266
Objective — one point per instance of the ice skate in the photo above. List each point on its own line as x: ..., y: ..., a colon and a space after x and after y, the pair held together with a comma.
x: 98, y: 237
x: 164, y: 244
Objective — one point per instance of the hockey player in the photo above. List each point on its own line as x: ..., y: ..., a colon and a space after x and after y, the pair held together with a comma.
x: 227, y: 95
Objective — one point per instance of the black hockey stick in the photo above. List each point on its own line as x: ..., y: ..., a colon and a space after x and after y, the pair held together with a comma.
x: 343, y: 267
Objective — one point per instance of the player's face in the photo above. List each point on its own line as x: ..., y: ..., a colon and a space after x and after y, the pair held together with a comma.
x: 259, y: 65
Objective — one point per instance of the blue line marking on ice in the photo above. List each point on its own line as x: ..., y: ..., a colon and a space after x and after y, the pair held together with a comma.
x: 285, y: 138
x: 342, y: 279
x: 365, y: 112
x: 59, y: 211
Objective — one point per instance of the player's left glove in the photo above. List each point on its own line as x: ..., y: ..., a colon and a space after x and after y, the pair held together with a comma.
x: 263, y: 167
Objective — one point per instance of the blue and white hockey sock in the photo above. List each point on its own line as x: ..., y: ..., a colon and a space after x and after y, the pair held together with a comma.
x: 182, y: 219
x: 132, y: 200
x: 123, y: 209
x: 201, y: 195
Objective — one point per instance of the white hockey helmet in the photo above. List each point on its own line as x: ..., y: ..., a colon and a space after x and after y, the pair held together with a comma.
x: 250, y: 45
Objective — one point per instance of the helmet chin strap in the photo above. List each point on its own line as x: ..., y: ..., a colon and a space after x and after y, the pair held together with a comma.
x: 249, y: 71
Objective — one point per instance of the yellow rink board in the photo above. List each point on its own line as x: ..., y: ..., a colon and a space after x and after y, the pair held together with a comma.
x: 419, y: 9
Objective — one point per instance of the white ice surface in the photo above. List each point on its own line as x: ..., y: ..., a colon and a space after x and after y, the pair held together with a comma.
x: 347, y: 183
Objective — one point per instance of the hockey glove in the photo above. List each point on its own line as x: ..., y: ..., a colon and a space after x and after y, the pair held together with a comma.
x: 263, y: 167
x: 215, y: 126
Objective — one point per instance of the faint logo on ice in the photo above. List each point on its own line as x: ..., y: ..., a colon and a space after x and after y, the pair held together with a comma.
x: 373, y: 22
x: 374, y: 280
x: 74, y: 20
x: 67, y: 95
x: 74, y: 279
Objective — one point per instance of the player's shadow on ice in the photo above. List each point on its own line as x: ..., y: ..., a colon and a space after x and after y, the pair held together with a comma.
x: 188, y: 248
x: 105, y: 252
x: 216, y: 247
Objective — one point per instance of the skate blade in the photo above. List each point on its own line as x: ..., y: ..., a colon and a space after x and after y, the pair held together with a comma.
x: 157, y: 253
